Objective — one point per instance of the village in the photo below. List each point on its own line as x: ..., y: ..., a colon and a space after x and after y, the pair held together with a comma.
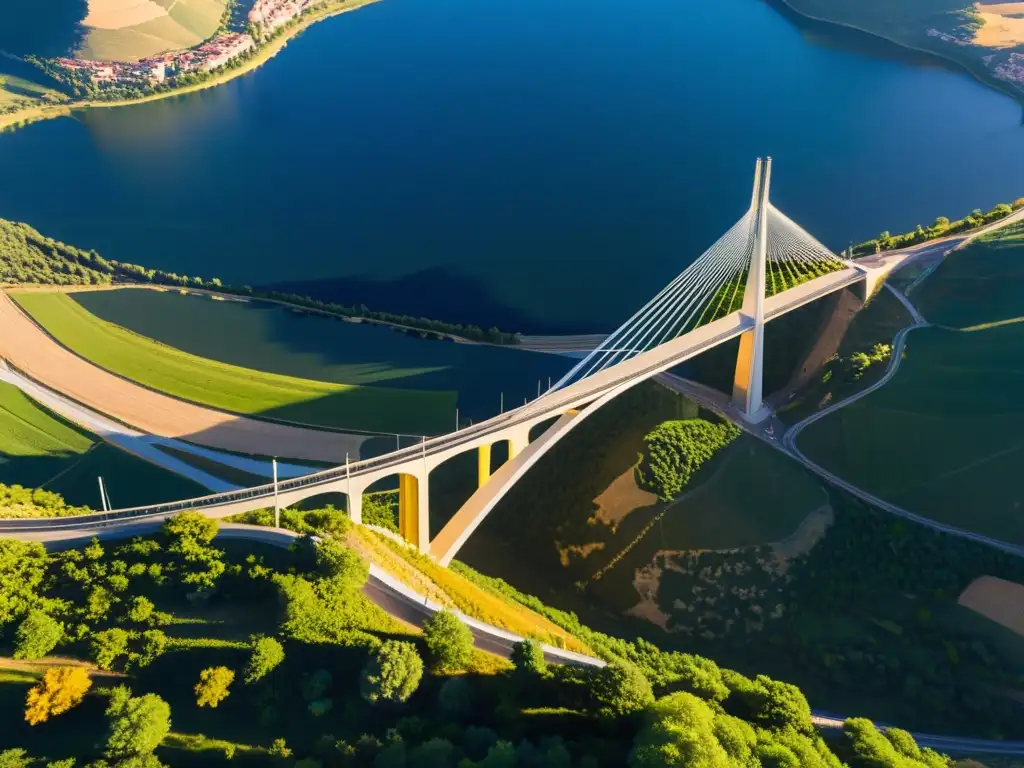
x: 265, y: 18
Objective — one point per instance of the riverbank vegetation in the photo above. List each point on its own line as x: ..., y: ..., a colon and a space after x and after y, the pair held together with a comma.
x: 28, y: 257
x: 231, y: 388
x: 942, y: 438
x: 941, y: 227
x: 289, y: 341
x: 177, y: 650
x: 39, y: 449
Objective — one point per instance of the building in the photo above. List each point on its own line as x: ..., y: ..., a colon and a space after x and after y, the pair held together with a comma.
x: 221, y: 49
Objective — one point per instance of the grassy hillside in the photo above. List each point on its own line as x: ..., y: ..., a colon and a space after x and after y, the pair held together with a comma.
x: 39, y: 449
x: 276, y: 339
x: 268, y: 656
x: 231, y: 388
x: 943, y: 437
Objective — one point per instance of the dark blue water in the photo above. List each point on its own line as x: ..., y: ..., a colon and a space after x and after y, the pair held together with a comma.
x: 543, y: 164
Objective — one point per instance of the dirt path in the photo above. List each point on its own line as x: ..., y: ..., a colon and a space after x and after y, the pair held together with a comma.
x: 28, y: 348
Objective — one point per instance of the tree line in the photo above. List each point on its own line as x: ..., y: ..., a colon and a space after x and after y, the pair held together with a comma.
x: 28, y: 257
x: 941, y: 227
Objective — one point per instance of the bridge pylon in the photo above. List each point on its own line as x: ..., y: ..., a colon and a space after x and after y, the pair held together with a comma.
x: 747, y: 388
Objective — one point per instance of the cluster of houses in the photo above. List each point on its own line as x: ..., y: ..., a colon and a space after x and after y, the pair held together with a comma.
x: 1012, y: 69
x: 271, y: 14
x: 266, y: 16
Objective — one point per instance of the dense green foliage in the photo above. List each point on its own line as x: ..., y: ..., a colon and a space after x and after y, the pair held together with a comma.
x: 37, y: 635
x: 267, y: 653
x: 941, y: 227
x: 26, y: 256
x: 449, y: 641
x: 137, y: 723
x: 392, y: 674
x: 213, y: 686
x: 676, y: 449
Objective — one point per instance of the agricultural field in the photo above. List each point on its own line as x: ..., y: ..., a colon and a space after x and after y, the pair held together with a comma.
x: 943, y: 437
x: 39, y: 449
x: 233, y: 388
x: 275, y: 339
x: 127, y: 30
x: 16, y: 92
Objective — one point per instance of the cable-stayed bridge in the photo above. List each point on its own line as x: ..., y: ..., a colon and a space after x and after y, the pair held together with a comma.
x: 764, y: 266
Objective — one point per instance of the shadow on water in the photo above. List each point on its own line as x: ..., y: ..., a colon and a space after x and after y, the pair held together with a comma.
x: 49, y: 28
x: 438, y: 293
x: 270, y: 338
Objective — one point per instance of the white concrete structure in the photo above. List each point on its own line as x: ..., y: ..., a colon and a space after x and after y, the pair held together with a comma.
x: 688, y: 317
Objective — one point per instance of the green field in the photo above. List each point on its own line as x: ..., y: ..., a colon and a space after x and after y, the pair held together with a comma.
x: 187, y: 23
x: 945, y: 437
x: 233, y: 388
x: 275, y: 339
x: 38, y: 449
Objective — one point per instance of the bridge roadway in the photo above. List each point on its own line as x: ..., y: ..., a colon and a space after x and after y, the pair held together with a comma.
x: 564, y: 405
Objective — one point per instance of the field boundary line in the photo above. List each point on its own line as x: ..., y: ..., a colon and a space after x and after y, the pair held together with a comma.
x: 268, y: 419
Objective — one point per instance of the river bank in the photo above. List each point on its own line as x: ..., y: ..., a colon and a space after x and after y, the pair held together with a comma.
x: 803, y: 18
x: 34, y: 114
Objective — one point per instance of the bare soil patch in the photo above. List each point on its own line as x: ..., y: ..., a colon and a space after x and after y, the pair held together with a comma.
x: 996, y: 599
x: 1000, y: 31
x: 118, y: 14
x: 621, y: 498
x: 29, y: 349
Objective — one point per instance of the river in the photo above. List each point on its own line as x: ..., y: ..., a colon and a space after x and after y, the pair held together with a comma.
x: 543, y: 166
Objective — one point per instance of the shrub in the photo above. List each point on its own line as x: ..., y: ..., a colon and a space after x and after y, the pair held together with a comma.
x: 213, y: 685
x: 60, y: 689
x: 620, y: 689
x: 449, y: 641
x: 528, y: 659
x: 279, y: 748
x: 137, y: 723
x: 154, y: 643
x: 37, y: 635
x: 141, y: 610
x: 267, y: 653
x: 107, y: 646
x: 392, y: 674
x: 344, y: 567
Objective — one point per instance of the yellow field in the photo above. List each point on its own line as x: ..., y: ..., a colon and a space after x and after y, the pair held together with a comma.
x: 126, y: 30
x: 997, y: 599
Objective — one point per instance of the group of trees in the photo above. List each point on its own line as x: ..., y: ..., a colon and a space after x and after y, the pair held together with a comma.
x: 16, y: 501
x: 941, y: 227
x: 424, y: 706
x: 27, y: 257
x: 674, y: 450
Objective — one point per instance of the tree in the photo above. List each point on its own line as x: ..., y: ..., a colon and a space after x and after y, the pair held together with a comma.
x: 154, y: 643
x: 528, y: 659
x: 137, y: 723
x: 15, y: 758
x: 678, y: 730
x: 140, y: 610
x: 267, y: 653
x: 392, y: 674
x: 213, y: 685
x: 37, y: 635
x: 344, y: 567
x: 435, y: 753
x: 107, y: 646
x: 620, y: 689
x: 449, y: 641
x: 22, y: 569
x: 60, y: 689
x: 189, y: 535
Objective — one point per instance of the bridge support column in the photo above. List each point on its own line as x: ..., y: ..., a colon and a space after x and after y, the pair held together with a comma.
x: 483, y: 465
x: 414, y: 511
x: 354, y: 503
x: 873, y: 281
x: 748, y: 383
x: 517, y: 442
